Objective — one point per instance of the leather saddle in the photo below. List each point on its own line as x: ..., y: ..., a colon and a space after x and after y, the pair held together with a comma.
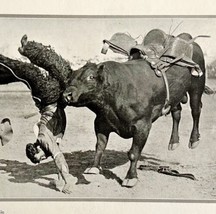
x: 161, y: 50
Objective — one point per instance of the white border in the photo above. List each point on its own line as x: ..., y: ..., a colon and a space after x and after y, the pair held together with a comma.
x: 107, y: 7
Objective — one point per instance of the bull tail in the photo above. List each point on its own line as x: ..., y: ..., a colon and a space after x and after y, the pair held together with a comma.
x: 208, y: 90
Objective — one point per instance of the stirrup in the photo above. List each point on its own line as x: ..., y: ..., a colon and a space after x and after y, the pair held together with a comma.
x: 166, y: 109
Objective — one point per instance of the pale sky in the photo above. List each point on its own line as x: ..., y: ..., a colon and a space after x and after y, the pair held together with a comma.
x: 82, y: 37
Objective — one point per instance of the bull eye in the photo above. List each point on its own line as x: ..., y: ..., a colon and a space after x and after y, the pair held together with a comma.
x: 90, y: 77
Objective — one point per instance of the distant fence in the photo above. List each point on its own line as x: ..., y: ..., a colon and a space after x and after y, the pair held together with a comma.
x: 211, y: 71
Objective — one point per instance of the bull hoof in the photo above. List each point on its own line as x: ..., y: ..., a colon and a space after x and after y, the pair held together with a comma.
x: 193, y: 145
x: 92, y: 170
x: 173, y: 146
x: 129, y: 182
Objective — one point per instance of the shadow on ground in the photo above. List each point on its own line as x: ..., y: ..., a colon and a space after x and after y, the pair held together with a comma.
x: 21, y: 172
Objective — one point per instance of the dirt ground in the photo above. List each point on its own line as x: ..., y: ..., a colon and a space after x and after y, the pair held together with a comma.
x: 21, y: 179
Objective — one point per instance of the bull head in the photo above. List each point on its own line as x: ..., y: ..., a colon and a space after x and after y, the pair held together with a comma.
x: 84, y: 85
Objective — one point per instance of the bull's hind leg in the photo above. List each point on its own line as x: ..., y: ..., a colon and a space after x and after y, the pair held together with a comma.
x: 176, y: 116
x: 102, y: 132
x: 196, y: 105
x: 139, y: 140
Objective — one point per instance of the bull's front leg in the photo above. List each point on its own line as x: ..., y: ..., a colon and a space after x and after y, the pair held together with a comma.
x: 139, y: 139
x: 102, y: 132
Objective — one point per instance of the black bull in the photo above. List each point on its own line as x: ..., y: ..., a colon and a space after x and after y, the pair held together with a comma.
x: 128, y: 97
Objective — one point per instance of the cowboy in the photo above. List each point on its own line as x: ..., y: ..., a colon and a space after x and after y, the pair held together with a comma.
x: 50, y: 130
x: 51, y: 126
x: 46, y: 92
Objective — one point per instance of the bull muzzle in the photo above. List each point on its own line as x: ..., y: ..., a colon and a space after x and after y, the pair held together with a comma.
x: 68, y: 97
x: 71, y: 95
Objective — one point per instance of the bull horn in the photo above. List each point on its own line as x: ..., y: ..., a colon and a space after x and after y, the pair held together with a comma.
x: 104, y: 48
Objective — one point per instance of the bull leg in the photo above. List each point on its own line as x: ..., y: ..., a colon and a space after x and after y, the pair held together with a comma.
x: 196, y: 105
x: 139, y: 140
x: 176, y: 116
x: 102, y: 133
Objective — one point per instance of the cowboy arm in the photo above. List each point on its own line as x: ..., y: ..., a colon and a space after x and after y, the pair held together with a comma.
x: 61, y: 165
x: 53, y: 150
x: 63, y: 169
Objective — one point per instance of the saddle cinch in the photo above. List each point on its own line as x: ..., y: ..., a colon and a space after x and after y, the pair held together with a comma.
x: 161, y: 50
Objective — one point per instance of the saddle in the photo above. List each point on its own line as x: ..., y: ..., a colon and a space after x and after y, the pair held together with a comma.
x: 161, y: 50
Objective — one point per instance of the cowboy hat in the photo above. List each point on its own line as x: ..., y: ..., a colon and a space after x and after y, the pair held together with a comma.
x: 6, y: 131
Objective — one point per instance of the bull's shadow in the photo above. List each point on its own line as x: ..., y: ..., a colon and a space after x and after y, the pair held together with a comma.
x: 21, y: 172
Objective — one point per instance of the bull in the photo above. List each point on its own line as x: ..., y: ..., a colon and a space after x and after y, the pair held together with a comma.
x: 128, y: 97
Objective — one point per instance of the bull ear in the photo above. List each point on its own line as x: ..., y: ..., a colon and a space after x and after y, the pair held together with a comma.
x: 103, y: 76
x: 100, y: 69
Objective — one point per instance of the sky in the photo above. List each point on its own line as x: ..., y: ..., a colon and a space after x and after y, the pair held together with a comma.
x: 82, y: 36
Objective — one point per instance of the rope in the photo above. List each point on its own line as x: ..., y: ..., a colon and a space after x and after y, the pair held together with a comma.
x: 22, y: 80
x: 167, y: 171
x: 177, y: 27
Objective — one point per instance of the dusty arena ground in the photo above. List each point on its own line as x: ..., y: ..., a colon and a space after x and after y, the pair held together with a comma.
x: 21, y: 179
